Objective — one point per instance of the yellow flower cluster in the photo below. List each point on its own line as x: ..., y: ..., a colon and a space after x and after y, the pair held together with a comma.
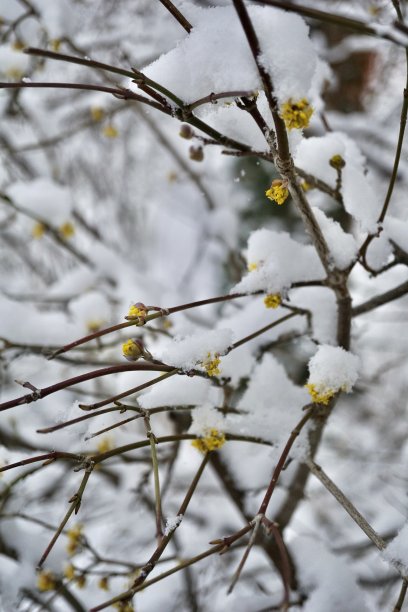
x: 320, y: 395
x: 273, y: 300
x: 105, y: 444
x: 337, y: 162
x: 211, y: 365
x: 132, y: 349
x: 136, y: 311
x: 80, y: 581
x: 252, y: 266
x: 124, y: 606
x: 46, y: 581
x: 103, y: 583
x: 109, y: 131
x: 212, y: 440
x: 74, y: 539
x: 306, y: 186
x: 97, y: 113
x: 277, y: 192
x: 38, y: 230
x: 296, y: 115
x: 69, y: 571
x: 66, y: 230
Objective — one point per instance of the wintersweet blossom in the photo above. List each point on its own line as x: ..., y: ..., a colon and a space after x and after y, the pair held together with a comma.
x: 211, y: 364
x: 66, y: 230
x: 273, y: 300
x: 74, y: 539
x: 278, y: 191
x: 124, y: 606
x: 103, y: 583
x: 46, y: 581
x: 296, y: 115
x: 337, y: 162
x: 212, y: 439
x: 69, y: 571
x: 331, y: 370
x: 38, y: 230
x: 97, y: 113
x: 136, y: 311
x: 109, y: 131
x: 132, y: 349
x: 80, y: 581
x: 252, y: 266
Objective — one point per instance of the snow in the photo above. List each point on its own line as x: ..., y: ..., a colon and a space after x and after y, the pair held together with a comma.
x: 334, y: 368
x: 172, y: 522
x: 343, y: 247
x: 274, y: 273
x: 13, y: 63
x: 209, y: 61
x: 193, y: 391
x: 396, y: 551
x: 271, y: 405
x: 360, y: 197
x: 326, y: 578
x: 205, y: 418
x: 186, y: 353
x: 44, y: 198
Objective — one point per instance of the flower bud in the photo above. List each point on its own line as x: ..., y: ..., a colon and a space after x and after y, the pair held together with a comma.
x: 186, y: 131
x: 196, y: 153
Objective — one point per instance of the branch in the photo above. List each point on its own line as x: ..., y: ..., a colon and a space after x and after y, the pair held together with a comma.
x: 347, y: 505
x: 380, y: 300
x: 40, y: 393
x: 346, y: 22
x: 177, y: 15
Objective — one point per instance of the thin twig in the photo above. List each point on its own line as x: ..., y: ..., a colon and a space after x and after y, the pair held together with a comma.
x: 75, y: 501
x: 346, y: 504
x: 177, y: 15
x: 380, y: 300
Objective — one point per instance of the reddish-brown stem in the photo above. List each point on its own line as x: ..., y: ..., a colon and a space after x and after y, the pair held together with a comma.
x: 41, y: 393
x: 47, y: 457
x: 282, y: 460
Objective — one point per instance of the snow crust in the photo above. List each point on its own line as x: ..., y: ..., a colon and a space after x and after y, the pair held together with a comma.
x: 276, y: 273
x: 331, y: 367
x: 187, y: 352
x: 209, y: 61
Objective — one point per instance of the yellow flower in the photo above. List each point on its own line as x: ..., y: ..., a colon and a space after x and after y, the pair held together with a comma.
x: 273, y: 300
x: 18, y: 45
x: 74, y: 539
x: 97, y: 113
x: 38, y: 230
x: 46, y: 581
x: 278, y: 191
x: 132, y: 349
x: 337, y: 162
x: 55, y: 44
x: 212, y: 440
x: 80, y: 581
x: 296, y: 115
x: 66, y: 230
x: 14, y: 73
x: 103, y: 583
x: 211, y: 365
x: 105, y: 444
x: 124, y: 606
x: 69, y: 571
x: 137, y: 311
x: 94, y: 325
x: 306, y: 186
x: 110, y: 131
x: 320, y: 395
x: 252, y: 266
